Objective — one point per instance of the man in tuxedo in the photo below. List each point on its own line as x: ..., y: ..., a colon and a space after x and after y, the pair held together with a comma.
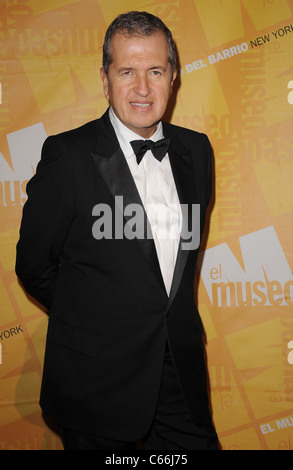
x: 124, y: 357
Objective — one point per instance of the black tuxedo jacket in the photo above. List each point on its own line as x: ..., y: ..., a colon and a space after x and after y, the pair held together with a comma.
x: 109, y: 314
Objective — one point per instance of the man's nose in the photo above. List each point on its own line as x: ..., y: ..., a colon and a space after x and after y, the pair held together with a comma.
x: 142, y: 86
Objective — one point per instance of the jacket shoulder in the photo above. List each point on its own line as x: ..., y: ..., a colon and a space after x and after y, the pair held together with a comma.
x: 184, y: 138
x: 182, y: 130
x: 94, y: 134
x: 82, y: 132
x: 183, y: 133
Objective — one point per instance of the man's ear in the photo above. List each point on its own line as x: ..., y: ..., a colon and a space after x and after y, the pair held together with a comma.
x: 174, y: 75
x: 105, y: 82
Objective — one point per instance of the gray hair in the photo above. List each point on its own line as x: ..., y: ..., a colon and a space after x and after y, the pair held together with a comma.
x: 137, y: 23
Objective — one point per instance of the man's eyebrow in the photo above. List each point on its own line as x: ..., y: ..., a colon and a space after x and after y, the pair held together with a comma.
x: 158, y: 67
x: 154, y: 67
x: 125, y: 69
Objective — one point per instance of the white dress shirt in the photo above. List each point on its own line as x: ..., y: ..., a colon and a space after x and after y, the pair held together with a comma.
x: 155, y: 184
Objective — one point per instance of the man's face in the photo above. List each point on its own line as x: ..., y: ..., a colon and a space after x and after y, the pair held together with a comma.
x: 139, y: 81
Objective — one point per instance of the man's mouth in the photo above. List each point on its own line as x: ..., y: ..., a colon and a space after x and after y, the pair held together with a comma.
x: 140, y: 105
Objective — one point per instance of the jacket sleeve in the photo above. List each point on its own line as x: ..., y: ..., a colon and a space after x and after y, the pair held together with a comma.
x: 209, y: 169
x: 46, y: 219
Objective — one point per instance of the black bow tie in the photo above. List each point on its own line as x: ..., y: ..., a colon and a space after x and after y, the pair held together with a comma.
x: 159, y: 148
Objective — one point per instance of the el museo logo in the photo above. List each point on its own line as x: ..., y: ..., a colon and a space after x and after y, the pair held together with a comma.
x: 265, y: 278
x: 25, y: 150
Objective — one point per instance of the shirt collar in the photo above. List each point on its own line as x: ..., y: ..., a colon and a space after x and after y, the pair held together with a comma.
x: 125, y: 135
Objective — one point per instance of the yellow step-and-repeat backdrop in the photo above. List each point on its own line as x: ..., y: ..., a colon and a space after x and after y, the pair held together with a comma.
x: 236, y: 85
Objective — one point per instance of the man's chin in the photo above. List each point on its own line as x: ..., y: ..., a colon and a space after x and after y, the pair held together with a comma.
x: 144, y: 129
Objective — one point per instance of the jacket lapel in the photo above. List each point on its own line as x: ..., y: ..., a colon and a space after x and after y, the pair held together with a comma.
x: 110, y: 161
x: 182, y: 168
